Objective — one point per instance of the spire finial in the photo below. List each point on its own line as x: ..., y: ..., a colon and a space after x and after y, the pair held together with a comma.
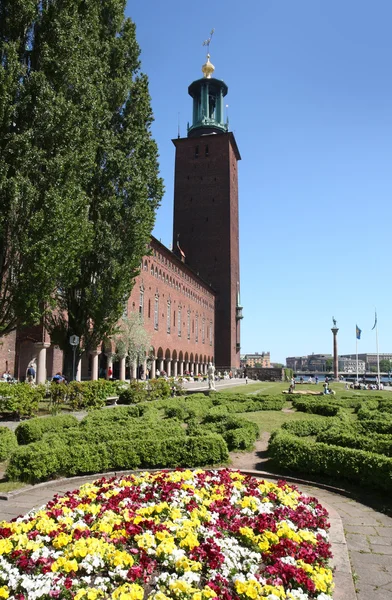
x: 208, y: 68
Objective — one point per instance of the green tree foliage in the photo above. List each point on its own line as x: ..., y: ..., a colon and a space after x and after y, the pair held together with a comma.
x: 79, y: 167
x: 385, y: 365
x: 329, y: 364
x: 47, y: 153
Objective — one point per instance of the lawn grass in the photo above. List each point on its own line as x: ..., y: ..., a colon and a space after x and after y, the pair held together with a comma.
x: 269, y: 420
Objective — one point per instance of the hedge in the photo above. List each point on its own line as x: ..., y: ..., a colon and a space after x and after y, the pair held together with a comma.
x: 307, y: 456
x: 309, y: 427
x: 375, y: 444
x: 21, y: 399
x: 8, y: 442
x: 327, y: 407
x: 41, y: 461
x: 34, y: 430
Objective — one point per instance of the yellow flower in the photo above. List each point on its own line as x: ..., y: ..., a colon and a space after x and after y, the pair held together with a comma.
x: 62, y: 540
x: 128, y: 591
x: 4, y: 592
x: 6, y: 546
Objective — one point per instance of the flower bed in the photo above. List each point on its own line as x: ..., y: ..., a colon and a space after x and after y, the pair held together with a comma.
x: 180, y: 534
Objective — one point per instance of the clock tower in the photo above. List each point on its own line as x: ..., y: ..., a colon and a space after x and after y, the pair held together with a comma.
x: 205, y: 225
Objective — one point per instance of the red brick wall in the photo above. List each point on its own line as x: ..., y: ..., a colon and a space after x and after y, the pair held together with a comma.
x: 7, y: 353
x: 206, y: 219
x: 175, y: 282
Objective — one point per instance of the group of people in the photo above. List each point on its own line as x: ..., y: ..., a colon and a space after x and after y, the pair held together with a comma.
x: 7, y: 377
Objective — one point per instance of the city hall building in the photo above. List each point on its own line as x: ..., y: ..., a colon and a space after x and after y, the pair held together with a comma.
x: 188, y: 298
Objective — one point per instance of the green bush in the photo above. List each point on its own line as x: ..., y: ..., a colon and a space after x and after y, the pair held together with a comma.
x: 317, y: 406
x: 158, y: 389
x: 41, y: 460
x: 307, y: 456
x: 375, y: 444
x: 309, y: 427
x: 34, y: 430
x: 239, y: 434
x: 8, y: 443
x: 134, y: 393
x: 375, y: 425
x: 21, y: 399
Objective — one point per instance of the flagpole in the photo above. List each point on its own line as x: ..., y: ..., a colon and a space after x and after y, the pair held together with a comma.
x: 356, y: 351
x: 378, y: 358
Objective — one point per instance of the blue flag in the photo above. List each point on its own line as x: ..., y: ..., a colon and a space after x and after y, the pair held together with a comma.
x: 358, y: 332
x: 375, y: 321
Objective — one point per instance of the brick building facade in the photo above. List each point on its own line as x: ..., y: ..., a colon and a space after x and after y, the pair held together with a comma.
x: 188, y: 299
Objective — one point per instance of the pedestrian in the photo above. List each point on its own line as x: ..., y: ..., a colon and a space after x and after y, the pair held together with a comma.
x: 31, y: 372
x: 110, y: 373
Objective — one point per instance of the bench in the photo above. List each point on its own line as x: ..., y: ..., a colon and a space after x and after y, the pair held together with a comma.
x: 112, y: 400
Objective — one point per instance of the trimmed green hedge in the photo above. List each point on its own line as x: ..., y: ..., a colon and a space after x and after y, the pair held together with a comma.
x: 376, y: 444
x: 317, y: 406
x: 34, y: 430
x: 41, y: 461
x: 8, y: 442
x: 309, y: 427
x: 307, y: 456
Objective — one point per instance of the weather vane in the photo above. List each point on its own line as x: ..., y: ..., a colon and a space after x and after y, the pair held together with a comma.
x: 334, y: 321
x: 208, y: 41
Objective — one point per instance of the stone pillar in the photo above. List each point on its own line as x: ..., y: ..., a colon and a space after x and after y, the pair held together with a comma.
x: 168, y: 367
x: 145, y: 368
x: 41, y: 361
x: 109, y: 363
x: 78, y: 369
x: 161, y: 365
x: 134, y: 370
x: 181, y: 368
x: 94, y: 364
x: 187, y: 366
x: 335, y: 353
x: 175, y: 368
x: 153, y: 368
x: 196, y: 368
x: 122, y: 368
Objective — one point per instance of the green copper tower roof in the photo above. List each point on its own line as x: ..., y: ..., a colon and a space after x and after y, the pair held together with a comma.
x: 207, y: 94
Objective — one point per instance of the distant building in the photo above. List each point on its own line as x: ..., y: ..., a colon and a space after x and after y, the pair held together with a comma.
x: 349, y: 365
x: 369, y: 358
x: 313, y: 362
x: 257, y: 359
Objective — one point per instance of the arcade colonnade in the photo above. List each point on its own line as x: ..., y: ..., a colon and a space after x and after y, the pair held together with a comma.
x: 97, y: 364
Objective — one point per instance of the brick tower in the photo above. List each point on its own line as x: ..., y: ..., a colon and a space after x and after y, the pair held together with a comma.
x: 205, y: 224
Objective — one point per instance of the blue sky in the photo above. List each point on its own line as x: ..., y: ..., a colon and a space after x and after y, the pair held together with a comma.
x: 310, y: 104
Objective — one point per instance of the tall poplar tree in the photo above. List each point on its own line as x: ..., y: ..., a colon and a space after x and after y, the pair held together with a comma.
x: 46, y: 158
x: 92, y: 119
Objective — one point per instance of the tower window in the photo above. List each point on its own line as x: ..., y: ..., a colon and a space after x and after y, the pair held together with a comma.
x: 197, y: 152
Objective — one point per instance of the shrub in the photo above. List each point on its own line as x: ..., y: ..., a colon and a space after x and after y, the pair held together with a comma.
x: 21, y: 399
x: 8, y: 442
x: 317, y: 406
x: 308, y: 456
x: 375, y: 444
x: 158, y: 389
x: 134, y: 393
x: 41, y: 460
x: 306, y: 428
x: 34, y: 430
